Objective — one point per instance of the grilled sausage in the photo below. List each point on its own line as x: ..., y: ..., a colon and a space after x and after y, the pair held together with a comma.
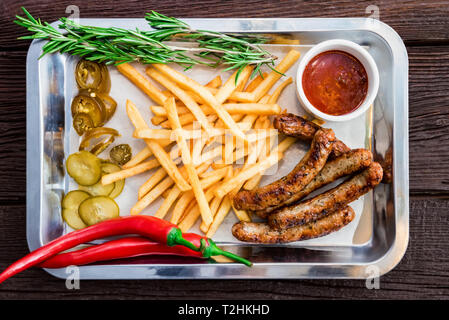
x: 344, y: 165
x: 262, y: 233
x: 330, y: 201
x: 280, y: 190
x: 296, y: 126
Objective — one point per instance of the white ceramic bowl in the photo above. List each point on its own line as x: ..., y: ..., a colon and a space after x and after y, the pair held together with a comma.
x: 357, y: 51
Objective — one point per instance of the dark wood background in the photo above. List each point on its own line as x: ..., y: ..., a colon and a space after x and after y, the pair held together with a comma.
x: 424, y: 270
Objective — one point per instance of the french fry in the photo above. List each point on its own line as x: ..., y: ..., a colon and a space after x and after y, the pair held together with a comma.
x: 255, y: 83
x: 281, y: 39
x: 222, y: 212
x: 183, y: 96
x: 173, y: 193
x: 180, y: 207
x: 245, y: 77
x: 191, y: 205
x: 214, y: 83
x: 156, y: 120
x: 186, y: 198
x: 219, y: 172
x: 235, y: 96
x: 204, y: 94
x: 268, y: 144
x: 165, y: 193
x: 158, y: 151
x: 284, y: 145
x: 231, y: 108
x: 252, y: 108
x: 168, y: 164
x: 155, y: 134
x: 281, y: 148
x: 242, y: 215
x: 186, y: 158
x: 142, y: 155
x: 165, y: 134
x: 268, y: 81
x: 216, y: 201
x: 193, y: 213
x: 277, y: 92
x: 186, y: 119
x: 230, y: 85
x: 197, y: 149
x: 141, y: 82
x: 210, y: 155
x: 151, y: 182
x: 263, y: 88
x: 152, y: 196
x: 160, y: 110
x: 171, y: 197
x: 247, y: 173
x: 126, y: 173
x: 222, y: 259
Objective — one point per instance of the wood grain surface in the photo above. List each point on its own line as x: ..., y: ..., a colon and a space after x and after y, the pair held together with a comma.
x: 424, y: 270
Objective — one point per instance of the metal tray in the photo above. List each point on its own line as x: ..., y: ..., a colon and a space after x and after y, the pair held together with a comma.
x: 48, y: 97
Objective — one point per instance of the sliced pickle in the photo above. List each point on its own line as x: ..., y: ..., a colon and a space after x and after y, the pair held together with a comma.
x: 99, y: 189
x: 84, y: 168
x: 70, y: 205
x: 118, y: 185
x: 96, y: 209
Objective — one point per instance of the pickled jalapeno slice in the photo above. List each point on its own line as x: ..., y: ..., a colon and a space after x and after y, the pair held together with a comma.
x: 121, y: 154
x: 82, y: 123
x: 86, y: 104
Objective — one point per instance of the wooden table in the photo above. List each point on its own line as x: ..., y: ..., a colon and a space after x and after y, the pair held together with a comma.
x: 424, y: 270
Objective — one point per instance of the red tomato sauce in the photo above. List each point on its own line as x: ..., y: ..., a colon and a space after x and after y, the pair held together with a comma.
x: 335, y: 82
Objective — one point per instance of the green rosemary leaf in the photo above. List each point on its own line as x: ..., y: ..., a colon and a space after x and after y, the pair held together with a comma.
x: 116, y: 45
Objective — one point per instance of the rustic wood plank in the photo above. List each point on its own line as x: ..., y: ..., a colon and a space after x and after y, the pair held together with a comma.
x: 431, y: 16
x: 12, y: 127
x: 422, y: 273
x: 429, y: 120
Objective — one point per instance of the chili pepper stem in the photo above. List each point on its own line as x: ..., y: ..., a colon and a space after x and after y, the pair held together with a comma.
x: 175, y: 238
x: 211, y: 249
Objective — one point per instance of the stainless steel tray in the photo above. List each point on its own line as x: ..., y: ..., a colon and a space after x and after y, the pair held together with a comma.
x: 49, y: 83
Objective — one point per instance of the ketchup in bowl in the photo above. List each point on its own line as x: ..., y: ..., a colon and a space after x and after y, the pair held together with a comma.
x: 335, y: 82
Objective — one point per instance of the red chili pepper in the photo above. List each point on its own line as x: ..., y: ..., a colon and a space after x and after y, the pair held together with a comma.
x: 121, y: 248
x: 149, y: 227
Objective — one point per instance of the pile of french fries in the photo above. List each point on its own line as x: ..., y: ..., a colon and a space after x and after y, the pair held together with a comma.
x: 213, y: 140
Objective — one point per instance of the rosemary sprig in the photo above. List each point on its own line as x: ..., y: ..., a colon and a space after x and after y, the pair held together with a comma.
x: 117, y: 45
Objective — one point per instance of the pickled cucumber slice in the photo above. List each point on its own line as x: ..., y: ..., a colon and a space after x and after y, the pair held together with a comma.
x: 98, y: 189
x: 118, y: 185
x: 84, y: 168
x: 70, y: 204
x: 97, y: 209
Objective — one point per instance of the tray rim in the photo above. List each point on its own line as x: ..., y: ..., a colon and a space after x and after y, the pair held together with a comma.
x: 235, y: 271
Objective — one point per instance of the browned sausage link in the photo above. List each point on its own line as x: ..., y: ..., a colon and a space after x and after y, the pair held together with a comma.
x: 262, y: 233
x: 344, y: 165
x: 280, y: 190
x: 330, y: 201
x: 296, y: 126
